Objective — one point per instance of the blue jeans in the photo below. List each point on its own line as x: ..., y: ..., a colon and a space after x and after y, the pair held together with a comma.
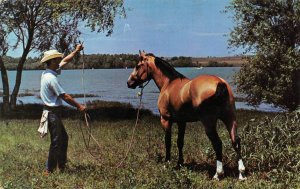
x: 59, y: 142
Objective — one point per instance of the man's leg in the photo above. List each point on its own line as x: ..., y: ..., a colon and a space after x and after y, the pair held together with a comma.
x: 55, y: 135
x: 62, y: 160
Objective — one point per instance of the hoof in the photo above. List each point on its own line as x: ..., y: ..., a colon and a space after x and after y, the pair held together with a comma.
x: 242, y: 177
x: 218, y: 177
x: 220, y: 170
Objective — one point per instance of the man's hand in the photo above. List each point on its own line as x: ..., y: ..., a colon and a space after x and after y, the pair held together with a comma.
x: 79, y: 47
x: 68, y: 99
x: 81, y: 108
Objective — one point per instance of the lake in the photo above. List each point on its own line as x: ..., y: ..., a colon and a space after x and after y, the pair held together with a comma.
x: 110, y: 85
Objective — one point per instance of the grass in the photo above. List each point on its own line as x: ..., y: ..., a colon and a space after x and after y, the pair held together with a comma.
x: 270, y: 148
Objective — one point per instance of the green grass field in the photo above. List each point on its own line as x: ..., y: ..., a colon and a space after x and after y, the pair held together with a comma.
x: 270, y: 148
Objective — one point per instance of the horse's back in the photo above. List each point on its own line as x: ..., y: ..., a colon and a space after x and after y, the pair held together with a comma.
x: 204, y: 87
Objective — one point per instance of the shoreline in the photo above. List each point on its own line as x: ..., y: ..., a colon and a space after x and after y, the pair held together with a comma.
x: 196, y: 66
x: 129, y: 61
x: 99, y: 110
x: 240, y: 102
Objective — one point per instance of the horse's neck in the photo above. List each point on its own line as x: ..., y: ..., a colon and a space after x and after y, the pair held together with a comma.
x: 160, y: 79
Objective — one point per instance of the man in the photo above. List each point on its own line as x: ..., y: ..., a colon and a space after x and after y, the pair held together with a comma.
x: 52, y: 95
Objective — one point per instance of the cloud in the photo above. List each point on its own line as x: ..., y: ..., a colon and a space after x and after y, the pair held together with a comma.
x: 126, y: 28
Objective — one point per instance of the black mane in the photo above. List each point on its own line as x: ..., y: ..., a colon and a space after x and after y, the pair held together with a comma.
x: 166, y: 68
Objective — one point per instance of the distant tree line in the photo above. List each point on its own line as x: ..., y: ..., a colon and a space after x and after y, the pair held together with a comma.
x: 107, y: 61
x: 218, y: 64
x: 97, y: 61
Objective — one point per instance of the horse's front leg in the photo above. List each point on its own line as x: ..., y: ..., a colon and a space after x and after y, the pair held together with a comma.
x: 180, y: 142
x: 167, y: 125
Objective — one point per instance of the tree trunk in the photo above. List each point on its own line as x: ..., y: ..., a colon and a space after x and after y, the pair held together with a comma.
x: 14, y: 94
x: 5, y: 84
x: 297, y: 89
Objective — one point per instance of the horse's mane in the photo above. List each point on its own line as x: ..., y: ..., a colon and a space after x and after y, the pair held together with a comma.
x: 166, y: 68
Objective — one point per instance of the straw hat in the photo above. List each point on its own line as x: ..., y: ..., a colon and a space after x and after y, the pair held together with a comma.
x: 48, y: 55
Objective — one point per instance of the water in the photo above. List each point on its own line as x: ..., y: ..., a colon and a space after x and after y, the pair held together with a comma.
x: 110, y: 85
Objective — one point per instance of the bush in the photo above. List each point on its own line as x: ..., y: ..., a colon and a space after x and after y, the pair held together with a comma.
x: 218, y: 64
x: 272, y: 147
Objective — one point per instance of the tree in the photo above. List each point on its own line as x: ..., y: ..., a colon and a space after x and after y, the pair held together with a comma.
x: 3, y: 51
x: 271, y: 31
x: 39, y: 25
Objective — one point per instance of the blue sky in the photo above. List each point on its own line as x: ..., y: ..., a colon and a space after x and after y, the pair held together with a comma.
x: 167, y: 28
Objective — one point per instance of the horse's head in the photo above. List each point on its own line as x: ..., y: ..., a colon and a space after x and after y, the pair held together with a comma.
x: 141, y: 72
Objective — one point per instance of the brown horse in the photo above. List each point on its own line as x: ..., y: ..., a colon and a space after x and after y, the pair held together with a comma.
x: 205, y: 98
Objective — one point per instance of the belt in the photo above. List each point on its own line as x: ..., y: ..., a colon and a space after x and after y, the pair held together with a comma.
x: 53, y: 109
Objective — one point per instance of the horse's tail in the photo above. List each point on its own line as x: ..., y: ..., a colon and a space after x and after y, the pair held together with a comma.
x: 222, y: 94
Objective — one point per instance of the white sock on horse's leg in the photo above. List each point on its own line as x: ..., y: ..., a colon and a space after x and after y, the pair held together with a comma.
x: 220, y: 170
x: 241, y: 166
x: 241, y: 170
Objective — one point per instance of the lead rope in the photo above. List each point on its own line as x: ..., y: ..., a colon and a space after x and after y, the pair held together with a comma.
x: 87, y: 123
x: 86, y: 116
x: 134, y: 128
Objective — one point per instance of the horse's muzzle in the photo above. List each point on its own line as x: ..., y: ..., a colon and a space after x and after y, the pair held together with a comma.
x: 131, y: 84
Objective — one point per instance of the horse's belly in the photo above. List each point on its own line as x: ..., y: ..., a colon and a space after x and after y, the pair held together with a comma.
x: 185, y: 114
x: 185, y: 118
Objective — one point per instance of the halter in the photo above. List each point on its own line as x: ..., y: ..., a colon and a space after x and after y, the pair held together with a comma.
x: 142, y: 86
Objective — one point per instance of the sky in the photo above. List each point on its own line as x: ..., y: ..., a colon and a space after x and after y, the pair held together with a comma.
x: 196, y: 28
x: 168, y: 28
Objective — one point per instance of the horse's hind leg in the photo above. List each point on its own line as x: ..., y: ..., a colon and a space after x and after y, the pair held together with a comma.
x: 180, y: 142
x: 211, y: 132
x: 231, y: 125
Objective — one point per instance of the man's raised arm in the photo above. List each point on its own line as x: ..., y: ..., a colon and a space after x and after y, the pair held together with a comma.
x: 68, y: 58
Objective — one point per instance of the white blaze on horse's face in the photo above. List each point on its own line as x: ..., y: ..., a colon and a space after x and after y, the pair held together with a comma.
x: 139, y: 74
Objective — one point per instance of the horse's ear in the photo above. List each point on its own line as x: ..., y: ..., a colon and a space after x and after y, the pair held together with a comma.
x: 142, y: 54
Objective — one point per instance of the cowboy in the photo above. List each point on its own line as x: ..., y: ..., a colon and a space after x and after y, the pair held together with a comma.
x: 52, y: 95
